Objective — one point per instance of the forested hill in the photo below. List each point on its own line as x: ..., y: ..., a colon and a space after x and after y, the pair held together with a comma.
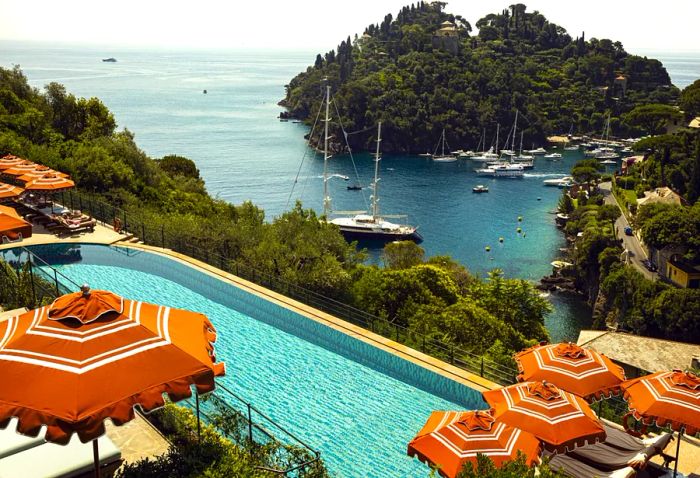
x: 419, y: 75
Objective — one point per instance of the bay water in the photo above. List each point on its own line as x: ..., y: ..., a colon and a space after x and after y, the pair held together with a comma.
x: 245, y: 153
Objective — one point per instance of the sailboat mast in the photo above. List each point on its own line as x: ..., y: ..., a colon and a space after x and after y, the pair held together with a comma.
x: 522, y: 133
x: 498, y: 129
x: 326, y: 197
x: 515, y: 128
x: 375, y: 188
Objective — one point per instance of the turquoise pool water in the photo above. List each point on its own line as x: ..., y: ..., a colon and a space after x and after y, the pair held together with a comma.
x: 357, y: 404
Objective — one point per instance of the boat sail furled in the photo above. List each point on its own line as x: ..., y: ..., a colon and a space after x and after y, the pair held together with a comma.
x: 443, y: 157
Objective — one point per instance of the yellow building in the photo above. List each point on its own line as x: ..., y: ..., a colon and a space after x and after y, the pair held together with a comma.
x: 683, y: 274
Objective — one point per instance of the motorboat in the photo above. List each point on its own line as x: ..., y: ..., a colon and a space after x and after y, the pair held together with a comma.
x: 571, y: 148
x: 502, y: 170
x: 480, y: 189
x: 553, y: 156
x: 559, y: 182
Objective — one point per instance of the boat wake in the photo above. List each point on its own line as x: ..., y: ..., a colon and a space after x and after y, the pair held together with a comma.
x: 545, y: 175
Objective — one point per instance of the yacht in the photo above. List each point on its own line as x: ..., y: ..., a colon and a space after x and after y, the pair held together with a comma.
x: 372, y: 226
x: 502, y: 170
x: 480, y: 189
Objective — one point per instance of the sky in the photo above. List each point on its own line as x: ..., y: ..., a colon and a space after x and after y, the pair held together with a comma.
x: 319, y: 25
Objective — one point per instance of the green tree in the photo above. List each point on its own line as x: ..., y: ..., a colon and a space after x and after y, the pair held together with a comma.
x: 690, y: 100
x: 402, y: 255
x: 653, y: 118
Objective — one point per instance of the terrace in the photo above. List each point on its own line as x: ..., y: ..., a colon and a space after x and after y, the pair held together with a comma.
x: 459, y: 369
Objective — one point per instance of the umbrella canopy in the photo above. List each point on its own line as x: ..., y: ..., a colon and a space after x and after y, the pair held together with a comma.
x: 10, y: 160
x: 12, y: 224
x: 93, y: 355
x: 583, y: 372
x: 8, y: 191
x: 49, y: 183
x: 21, y: 168
x: 452, y: 439
x: 560, y: 419
x: 668, y: 398
x: 39, y: 173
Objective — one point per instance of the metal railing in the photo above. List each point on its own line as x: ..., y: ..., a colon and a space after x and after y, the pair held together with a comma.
x: 46, y: 281
x: 246, y: 425
x: 157, y: 235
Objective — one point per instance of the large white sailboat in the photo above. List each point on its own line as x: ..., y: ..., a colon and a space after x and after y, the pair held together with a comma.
x: 375, y: 225
x: 361, y: 225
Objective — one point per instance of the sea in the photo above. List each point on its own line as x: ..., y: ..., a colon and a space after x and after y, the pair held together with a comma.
x: 220, y: 109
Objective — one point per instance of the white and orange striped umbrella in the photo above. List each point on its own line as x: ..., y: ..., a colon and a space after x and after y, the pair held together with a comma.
x: 669, y: 398
x: 11, y: 160
x: 8, y: 191
x: 583, y: 372
x: 449, y: 440
x: 40, y: 173
x: 49, y: 183
x: 559, y: 418
x: 21, y: 168
x: 93, y: 355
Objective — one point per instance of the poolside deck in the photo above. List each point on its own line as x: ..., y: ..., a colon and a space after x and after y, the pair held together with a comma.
x: 41, y: 235
x: 137, y: 440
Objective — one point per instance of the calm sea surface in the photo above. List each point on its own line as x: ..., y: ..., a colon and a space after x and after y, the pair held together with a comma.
x: 245, y: 153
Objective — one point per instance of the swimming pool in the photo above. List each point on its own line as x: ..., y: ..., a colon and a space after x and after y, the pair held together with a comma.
x: 357, y: 404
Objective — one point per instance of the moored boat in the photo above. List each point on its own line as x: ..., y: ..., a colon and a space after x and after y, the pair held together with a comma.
x: 480, y: 188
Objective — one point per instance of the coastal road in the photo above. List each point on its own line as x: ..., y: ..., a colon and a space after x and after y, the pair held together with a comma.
x: 631, y: 243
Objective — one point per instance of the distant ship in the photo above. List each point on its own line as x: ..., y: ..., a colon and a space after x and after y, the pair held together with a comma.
x: 110, y: 60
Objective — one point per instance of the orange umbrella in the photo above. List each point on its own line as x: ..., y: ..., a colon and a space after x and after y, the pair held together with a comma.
x: 452, y: 439
x: 667, y: 398
x: 49, y: 183
x: 21, y: 168
x: 12, y: 224
x: 39, y: 173
x: 560, y: 419
x: 583, y: 372
x: 93, y: 355
x: 11, y: 160
x: 8, y: 191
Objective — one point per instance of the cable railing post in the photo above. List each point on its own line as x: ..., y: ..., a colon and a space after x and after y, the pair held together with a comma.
x: 55, y: 279
x: 162, y: 235
x: 250, y: 425
x: 31, y: 278
x: 143, y: 233
x: 482, y: 367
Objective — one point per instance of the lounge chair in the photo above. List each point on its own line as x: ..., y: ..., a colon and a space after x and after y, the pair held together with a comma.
x: 624, y: 441
x: 12, y: 442
x: 577, y: 469
x: 49, y: 460
x: 606, y: 456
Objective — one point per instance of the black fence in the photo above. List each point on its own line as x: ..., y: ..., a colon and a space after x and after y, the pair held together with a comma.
x: 159, y: 236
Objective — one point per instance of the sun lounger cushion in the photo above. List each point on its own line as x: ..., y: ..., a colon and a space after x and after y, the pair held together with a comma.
x: 624, y: 441
x: 56, y: 461
x: 577, y: 469
x: 12, y: 442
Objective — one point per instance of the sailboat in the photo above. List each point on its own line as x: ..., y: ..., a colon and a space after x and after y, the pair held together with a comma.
x: 443, y: 157
x: 375, y: 225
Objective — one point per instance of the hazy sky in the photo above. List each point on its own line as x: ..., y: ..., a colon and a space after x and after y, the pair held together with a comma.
x: 319, y: 25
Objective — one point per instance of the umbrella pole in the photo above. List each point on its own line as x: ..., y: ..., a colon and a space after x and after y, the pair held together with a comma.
x: 96, y: 457
x: 678, y: 450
